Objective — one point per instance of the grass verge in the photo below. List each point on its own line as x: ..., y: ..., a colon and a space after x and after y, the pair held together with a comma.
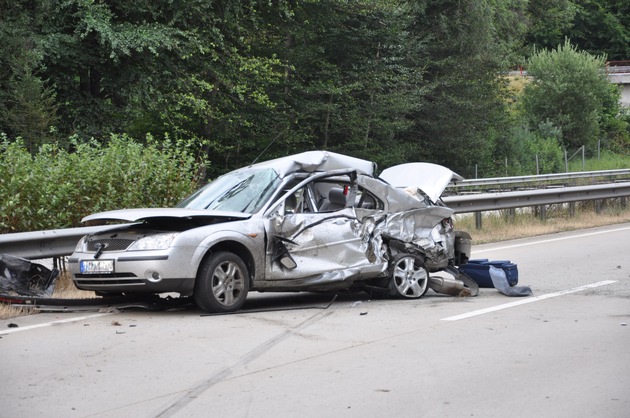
x: 64, y: 289
x: 496, y: 226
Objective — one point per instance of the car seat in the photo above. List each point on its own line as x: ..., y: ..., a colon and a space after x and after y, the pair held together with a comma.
x: 336, y: 200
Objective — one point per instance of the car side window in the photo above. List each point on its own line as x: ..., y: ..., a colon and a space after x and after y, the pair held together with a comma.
x: 339, y: 195
x: 367, y: 200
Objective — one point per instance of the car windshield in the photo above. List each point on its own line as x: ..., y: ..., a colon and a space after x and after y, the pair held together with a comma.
x: 239, y: 191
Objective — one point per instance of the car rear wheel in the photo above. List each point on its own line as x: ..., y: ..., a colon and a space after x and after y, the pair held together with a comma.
x: 222, y: 283
x: 408, y: 277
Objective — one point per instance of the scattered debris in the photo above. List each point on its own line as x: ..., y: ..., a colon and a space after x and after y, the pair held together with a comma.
x: 19, y: 276
x: 465, y: 293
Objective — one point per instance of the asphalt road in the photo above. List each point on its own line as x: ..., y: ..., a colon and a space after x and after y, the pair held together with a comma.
x: 563, y: 352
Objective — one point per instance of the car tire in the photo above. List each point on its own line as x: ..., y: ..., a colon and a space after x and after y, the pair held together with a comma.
x: 408, y: 277
x: 222, y: 283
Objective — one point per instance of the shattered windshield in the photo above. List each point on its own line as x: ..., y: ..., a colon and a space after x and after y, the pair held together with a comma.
x: 239, y: 191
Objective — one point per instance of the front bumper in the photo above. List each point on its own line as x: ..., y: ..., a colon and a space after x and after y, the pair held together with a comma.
x: 138, y: 271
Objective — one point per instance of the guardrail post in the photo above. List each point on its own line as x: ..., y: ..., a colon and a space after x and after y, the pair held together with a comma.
x: 478, y: 220
x: 540, y: 212
x: 571, y: 209
x: 598, y: 206
x: 624, y: 202
x: 511, y: 215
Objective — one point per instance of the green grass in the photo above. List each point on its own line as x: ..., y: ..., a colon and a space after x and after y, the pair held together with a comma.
x: 496, y: 226
x: 607, y: 161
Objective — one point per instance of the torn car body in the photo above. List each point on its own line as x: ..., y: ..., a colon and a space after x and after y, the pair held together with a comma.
x: 316, y: 221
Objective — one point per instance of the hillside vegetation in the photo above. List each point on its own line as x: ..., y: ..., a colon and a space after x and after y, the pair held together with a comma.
x: 199, y: 88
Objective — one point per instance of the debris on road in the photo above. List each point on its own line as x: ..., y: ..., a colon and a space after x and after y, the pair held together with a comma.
x: 19, y: 276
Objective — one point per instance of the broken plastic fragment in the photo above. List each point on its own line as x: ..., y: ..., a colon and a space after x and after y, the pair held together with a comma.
x: 19, y: 276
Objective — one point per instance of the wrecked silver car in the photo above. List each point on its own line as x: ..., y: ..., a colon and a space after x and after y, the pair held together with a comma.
x: 315, y: 221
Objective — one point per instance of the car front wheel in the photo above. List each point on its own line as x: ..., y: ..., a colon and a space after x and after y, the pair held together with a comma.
x: 222, y: 283
x: 408, y: 277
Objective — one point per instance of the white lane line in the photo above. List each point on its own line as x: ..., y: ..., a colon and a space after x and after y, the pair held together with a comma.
x: 527, y: 300
x: 549, y: 240
x: 47, y: 324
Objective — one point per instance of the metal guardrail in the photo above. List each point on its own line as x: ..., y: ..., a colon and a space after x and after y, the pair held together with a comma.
x: 539, y: 178
x: 45, y: 244
x: 507, y: 200
x: 61, y: 242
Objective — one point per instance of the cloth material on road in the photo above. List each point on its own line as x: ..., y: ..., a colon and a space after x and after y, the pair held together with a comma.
x: 500, y: 281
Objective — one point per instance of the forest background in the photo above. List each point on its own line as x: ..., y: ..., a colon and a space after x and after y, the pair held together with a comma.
x: 107, y: 104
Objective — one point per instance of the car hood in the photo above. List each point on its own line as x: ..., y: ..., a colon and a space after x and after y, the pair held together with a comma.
x: 135, y: 215
x: 432, y: 179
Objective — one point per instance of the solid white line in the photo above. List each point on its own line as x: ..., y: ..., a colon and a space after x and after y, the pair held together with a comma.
x: 47, y: 324
x: 527, y: 300
x: 549, y: 240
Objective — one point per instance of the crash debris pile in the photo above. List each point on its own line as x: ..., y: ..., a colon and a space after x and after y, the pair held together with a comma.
x: 22, y: 277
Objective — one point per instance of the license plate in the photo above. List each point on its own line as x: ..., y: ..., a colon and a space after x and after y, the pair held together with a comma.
x: 96, y: 266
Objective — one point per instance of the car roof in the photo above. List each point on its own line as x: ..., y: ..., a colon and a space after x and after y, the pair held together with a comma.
x: 311, y: 161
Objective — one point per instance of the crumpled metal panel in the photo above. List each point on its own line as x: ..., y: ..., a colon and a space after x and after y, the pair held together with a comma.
x: 372, y: 240
x: 311, y: 161
x: 414, y: 225
x: 328, y: 249
x: 395, y: 199
x: 19, y: 276
x: 422, y: 229
x: 350, y: 243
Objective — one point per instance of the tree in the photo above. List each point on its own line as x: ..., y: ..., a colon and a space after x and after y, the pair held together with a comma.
x: 548, y: 23
x: 602, y: 27
x: 28, y: 105
x: 568, y: 89
x: 149, y: 66
x: 599, y: 27
x: 462, y: 112
x: 350, y: 81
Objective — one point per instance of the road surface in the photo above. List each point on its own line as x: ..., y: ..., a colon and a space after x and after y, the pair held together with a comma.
x: 563, y: 352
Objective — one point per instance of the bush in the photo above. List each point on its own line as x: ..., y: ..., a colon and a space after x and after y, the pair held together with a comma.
x: 569, y: 89
x: 55, y: 188
x: 522, y: 147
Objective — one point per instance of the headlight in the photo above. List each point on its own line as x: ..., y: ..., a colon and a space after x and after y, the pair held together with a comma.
x: 80, y: 244
x: 154, y: 242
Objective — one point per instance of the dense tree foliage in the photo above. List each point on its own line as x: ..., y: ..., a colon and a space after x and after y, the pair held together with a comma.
x: 389, y: 80
x: 599, y: 27
x: 602, y: 27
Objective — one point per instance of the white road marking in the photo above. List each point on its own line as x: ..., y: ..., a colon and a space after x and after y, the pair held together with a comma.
x: 550, y: 240
x: 61, y: 321
x: 527, y: 300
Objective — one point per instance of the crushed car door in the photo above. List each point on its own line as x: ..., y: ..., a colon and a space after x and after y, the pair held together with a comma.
x: 312, y: 240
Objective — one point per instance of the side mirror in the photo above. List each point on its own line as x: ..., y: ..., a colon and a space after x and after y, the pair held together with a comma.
x: 288, y: 262
x: 281, y: 254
